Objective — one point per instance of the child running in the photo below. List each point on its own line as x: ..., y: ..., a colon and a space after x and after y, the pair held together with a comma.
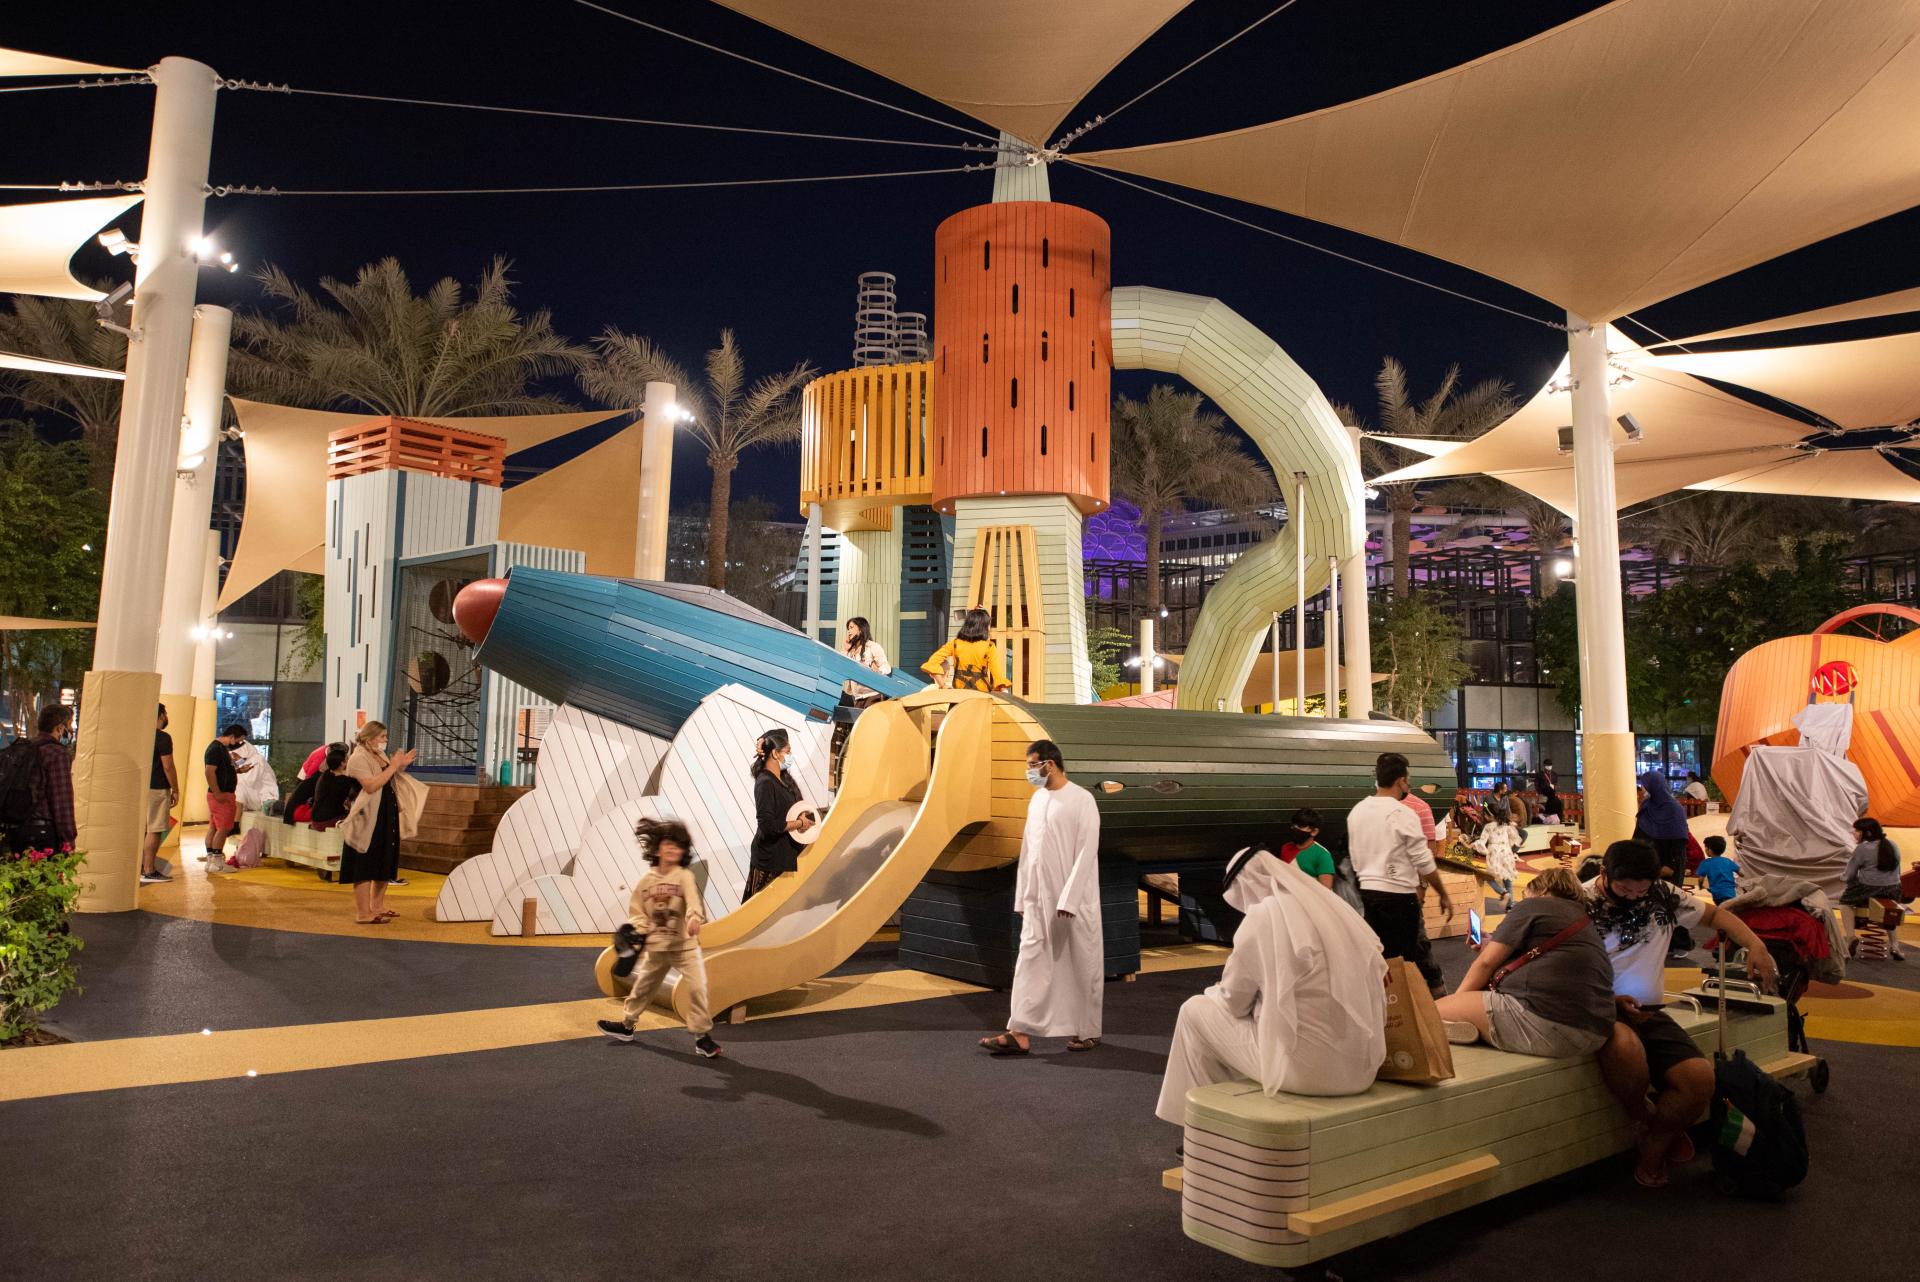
x: 1500, y: 842
x: 666, y: 913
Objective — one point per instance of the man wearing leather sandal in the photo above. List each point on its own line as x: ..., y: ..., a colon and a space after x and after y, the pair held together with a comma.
x: 1636, y: 914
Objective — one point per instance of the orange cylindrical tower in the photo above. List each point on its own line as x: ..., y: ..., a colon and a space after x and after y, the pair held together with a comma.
x: 1023, y: 361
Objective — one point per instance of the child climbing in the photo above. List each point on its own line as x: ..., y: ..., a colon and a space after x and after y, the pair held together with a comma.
x: 665, y: 920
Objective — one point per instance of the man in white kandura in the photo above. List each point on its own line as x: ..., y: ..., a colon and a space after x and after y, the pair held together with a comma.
x: 1058, y: 976
x: 1301, y: 1006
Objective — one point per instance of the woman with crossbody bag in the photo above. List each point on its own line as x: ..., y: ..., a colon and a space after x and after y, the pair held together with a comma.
x: 1542, y: 984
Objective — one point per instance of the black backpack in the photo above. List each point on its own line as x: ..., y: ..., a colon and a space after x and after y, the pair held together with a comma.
x: 1759, y: 1144
x: 17, y: 764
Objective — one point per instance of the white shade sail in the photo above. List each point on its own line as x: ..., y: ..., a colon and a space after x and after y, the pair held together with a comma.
x: 1831, y: 474
x: 1018, y: 65
x: 1868, y: 382
x: 41, y: 365
x: 37, y: 241
x: 1904, y: 300
x: 284, y: 525
x: 18, y: 62
x: 1636, y: 152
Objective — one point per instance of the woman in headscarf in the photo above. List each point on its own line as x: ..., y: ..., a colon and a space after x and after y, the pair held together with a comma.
x: 1662, y: 824
x: 1301, y: 1005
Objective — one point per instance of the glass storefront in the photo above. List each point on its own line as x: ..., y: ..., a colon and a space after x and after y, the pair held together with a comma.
x: 249, y: 704
x: 1676, y: 755
x: 1494, y: 756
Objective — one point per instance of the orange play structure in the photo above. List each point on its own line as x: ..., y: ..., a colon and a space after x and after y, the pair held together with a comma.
x: 1849, y: 658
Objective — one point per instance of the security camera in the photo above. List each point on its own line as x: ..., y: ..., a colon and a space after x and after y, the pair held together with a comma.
x: 1631, y: 426
x: 103, y: 312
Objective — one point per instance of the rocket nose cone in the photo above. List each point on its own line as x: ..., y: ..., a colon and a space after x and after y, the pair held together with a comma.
x: 474, y: 608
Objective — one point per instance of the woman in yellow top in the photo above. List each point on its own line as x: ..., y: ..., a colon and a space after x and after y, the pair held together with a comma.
x: 971, y: 661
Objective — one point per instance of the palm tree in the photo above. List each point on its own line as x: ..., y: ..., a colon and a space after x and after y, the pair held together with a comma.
x: 63, y: 330
x: 729, y: 416
x: 1168, y: 452
x: 371, y: 344
x: 1546, y: 524
x: 1441, y: 415
x: 1709, y: 529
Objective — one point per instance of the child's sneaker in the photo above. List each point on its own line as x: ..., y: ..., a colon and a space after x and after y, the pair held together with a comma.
x: 707, y: 1047
x: 618, y: 1031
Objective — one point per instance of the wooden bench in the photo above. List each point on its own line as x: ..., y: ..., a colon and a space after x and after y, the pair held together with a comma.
x: 296, y: 843
x: 1290, y: 1179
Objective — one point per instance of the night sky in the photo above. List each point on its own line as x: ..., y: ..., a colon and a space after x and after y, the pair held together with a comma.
x: 778, y: 264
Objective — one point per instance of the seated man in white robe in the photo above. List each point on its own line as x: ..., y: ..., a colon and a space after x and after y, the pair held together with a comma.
x: 1301, y: 1006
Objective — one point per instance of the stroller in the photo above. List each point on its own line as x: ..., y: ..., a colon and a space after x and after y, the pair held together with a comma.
x: 1469, y: 817
x: 1794, y: 954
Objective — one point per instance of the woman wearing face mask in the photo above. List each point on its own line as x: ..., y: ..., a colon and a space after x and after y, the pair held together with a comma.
x: 774, y: 849
x: 387, y: 809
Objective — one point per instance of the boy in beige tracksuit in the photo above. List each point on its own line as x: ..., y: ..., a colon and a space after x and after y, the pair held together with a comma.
x: 666, y: 909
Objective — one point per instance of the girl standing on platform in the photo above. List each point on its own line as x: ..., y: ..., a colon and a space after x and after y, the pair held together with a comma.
x: 972, y: 660
x: 865, y: 651
x: 666, y: 912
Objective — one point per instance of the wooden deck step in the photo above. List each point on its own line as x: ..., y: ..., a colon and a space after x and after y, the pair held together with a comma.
x: 457, y: 823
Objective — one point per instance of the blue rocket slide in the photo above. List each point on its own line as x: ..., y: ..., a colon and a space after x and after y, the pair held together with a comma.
x: 645, y: 653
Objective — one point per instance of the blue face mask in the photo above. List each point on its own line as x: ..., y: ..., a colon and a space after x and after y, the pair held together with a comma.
x: 1037, y: 776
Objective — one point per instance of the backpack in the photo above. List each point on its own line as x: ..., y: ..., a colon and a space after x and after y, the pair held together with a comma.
x: 17, y: 762
x: 252, y: 847
x: 1759, y: 1144
x: 1347, y: 886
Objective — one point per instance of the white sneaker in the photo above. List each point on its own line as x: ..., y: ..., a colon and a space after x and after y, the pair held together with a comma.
x: 1460, y: 1032
x: 217, y: 866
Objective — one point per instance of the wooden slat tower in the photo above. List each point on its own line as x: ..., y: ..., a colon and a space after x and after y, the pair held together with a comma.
x: 1006, y: 584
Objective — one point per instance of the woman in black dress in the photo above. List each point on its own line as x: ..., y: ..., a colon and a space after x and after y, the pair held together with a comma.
x: 371, y: 868
x: 774, y: 793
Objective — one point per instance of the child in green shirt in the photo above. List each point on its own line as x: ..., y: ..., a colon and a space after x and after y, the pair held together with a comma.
x: 1303, y: 851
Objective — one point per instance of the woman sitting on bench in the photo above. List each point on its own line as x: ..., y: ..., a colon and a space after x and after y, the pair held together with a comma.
x: 333, y: 796
x: 1542, y: 985
x: 1300, y: 1007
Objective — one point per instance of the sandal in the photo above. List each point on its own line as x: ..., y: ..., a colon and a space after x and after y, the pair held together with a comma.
x: 371, y: 921
x: 388, y: 915
x: 1004, y: 1044
x: 1082, y: 1043
x: 1646, y: 1181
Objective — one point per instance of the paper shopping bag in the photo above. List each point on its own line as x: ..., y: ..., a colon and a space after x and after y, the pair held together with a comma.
x: 1417, y: 1049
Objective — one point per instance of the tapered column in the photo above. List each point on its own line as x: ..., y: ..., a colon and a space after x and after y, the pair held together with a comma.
x: 814, y: 554
x: 1357, y: 632
x: 114, y: 753
x: 1606, y: 732
x: 659, y: 412
x: 1330, y: 642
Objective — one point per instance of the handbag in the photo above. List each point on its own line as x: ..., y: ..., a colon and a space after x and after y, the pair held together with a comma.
x: 1493, y: 985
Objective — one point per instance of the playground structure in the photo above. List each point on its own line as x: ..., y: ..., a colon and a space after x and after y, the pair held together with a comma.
x: 1867, y: 659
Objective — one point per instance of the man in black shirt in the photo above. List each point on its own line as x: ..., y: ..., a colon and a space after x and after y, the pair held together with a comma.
x: 163, y: 790
x: 223, y: 808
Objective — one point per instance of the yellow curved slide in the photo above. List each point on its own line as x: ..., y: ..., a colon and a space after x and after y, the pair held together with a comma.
x: 901, y: 804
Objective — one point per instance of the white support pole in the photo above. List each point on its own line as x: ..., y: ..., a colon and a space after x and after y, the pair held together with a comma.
x: 1607, y: 739
x: 814, y: 535
x: 659, y: 412
x: 1297, y: 519
x: 1357, y: 631
x: 1330, y: 642
x: 114, y: 750
x: 134, y: 570
x: 1146, y: 655
x: 199, y: 448
x: 1274, y: 667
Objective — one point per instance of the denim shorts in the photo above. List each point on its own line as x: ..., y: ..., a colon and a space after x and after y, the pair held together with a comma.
x: 1517, y: 1029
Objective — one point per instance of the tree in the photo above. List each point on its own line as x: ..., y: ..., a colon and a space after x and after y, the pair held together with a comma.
x: 760, y: 550
x: 1420, y: 648
x: 371, y: 344
x: 309, y: 648
x: 1105, y: 645
x: 61, y: 329
x: 730, y: 416
x: 1708, y: 530
x: 53, y: 528
x: 1442, y: 415
x: 1167, y: 453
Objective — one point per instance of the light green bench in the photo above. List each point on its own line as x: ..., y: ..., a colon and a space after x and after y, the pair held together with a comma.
x: 1290, y: 1179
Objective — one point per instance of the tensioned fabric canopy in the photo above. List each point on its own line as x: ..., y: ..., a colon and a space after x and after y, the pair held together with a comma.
x: 1636, y: 152
x: 1904, y: 300
x: 1691, y: 432
x: 1019, y: 65
x: 14, y: 623
x: 1828, y: 474
x: 37, y: 241
x: 18, y: 62
x: 577, y: 505
x: 44, y: 365
x: 284, y: 525
x: 1867, y: 382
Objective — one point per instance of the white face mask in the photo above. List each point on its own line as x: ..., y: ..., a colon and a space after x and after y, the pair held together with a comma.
x: 1037, y: 776
x: 793, y: 759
